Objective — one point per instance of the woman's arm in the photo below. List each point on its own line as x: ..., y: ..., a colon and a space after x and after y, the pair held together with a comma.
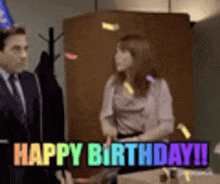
x: 158, y: 134
x: 106, y: 118
x: 109, y: 128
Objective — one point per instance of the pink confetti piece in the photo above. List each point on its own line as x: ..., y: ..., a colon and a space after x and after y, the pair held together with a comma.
x: 82, y: 180
x: 108, y: 143
x: 71, y: 56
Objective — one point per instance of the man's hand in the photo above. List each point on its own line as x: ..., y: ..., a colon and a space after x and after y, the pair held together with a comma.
x: 60, y: 177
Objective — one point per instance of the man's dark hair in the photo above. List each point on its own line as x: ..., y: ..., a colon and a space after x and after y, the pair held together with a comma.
x: 5, y: 33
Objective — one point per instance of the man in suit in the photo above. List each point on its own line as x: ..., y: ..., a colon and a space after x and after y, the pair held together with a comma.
x: 20, y: 105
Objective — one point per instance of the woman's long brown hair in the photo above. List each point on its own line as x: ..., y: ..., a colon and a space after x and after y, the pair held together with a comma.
x: 140, y: 49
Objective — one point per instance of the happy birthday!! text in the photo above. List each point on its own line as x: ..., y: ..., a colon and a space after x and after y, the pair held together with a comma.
x: 138, y: 154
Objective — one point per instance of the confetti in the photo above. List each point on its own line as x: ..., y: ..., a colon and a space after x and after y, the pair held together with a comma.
x: 186, y: 173
x: 150, y: 78
x: 129, y: 88
x: 108, y: 143
x: 70, y: 56
x: 82, y: 180
x: 111, y: 27
x: 184, y: 130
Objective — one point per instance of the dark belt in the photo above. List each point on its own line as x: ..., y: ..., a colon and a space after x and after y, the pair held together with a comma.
x: 126, y: 169
x: 122, y: 136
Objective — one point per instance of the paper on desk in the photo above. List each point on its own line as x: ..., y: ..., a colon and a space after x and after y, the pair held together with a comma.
x: 217, y: 149
x: 208, y: 172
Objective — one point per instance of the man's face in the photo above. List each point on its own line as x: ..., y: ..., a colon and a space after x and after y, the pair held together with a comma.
x: 15, y: 56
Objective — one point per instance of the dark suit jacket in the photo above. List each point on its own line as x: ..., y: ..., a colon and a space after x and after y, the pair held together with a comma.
x: 12, y: 127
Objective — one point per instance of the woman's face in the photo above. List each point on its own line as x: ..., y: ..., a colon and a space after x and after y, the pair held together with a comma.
x: 123, y: 59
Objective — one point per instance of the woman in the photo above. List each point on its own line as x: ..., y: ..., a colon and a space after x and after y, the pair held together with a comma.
x: 135, y: 106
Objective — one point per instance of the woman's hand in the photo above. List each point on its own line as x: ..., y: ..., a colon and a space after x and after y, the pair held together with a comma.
x: 110, y: 131
x: 130, y: 139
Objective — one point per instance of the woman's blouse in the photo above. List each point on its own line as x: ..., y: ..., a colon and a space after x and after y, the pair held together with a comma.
x: 141, y: 114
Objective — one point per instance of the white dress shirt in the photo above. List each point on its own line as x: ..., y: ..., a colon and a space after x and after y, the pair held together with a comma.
x: 5, y: 76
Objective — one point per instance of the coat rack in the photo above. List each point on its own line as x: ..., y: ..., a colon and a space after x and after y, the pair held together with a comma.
x: 51, y: 43
x: 51, y: 36
x: 169, y: 6
x: 96, y: 5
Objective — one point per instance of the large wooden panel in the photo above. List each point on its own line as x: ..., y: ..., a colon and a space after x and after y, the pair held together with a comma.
x: 171, y: 39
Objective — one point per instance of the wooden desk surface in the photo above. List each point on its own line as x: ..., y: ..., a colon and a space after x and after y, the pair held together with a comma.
x: 153, y: 177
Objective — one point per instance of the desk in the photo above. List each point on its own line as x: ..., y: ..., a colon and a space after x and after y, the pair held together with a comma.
x: 153, y: 177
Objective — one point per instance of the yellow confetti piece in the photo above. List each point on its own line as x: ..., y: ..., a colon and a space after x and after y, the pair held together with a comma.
x: 184, y: 130
x: 111, y: 27
x: 186, y: 173
x: 129, y: 88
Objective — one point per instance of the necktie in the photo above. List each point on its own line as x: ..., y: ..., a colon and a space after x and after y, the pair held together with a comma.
x: 16, y: 95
